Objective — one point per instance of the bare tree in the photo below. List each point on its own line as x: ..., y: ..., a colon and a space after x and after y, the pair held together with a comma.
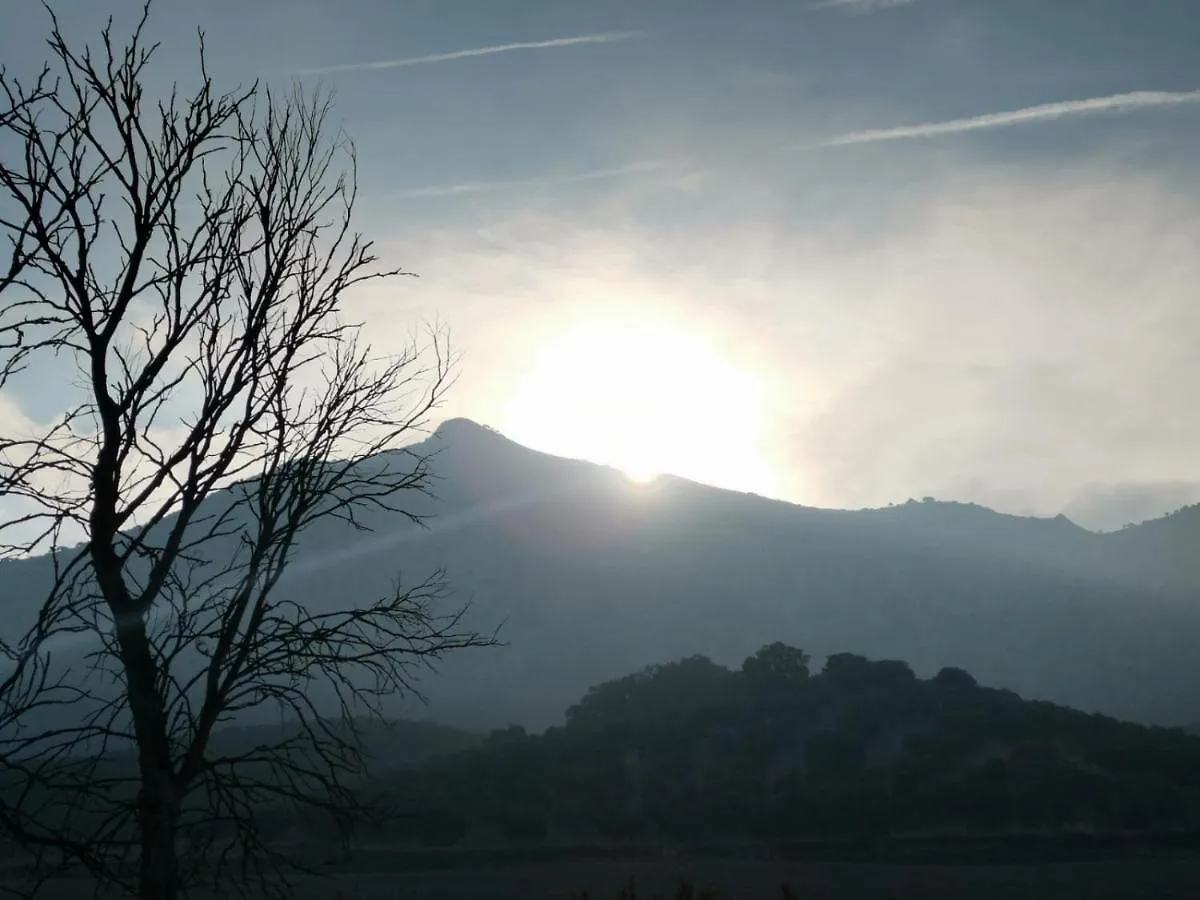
x: 186, y: 259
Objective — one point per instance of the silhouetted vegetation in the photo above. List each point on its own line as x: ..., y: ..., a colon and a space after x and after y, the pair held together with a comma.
x: 691, y: 751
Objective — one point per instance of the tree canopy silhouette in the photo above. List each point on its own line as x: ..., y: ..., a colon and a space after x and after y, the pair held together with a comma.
x: 697, y: 753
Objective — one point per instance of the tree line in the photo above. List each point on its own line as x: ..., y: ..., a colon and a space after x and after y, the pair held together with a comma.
x: 694, y: 751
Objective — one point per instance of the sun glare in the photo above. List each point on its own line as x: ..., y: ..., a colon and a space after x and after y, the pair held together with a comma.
x: 646, y: 398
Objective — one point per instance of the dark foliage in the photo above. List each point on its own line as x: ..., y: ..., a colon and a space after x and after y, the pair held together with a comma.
x: 691, y: 752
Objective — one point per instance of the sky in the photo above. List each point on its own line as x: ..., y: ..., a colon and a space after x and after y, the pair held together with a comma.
x: 842, y: 253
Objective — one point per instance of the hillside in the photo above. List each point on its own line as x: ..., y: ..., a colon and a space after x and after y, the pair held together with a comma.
x: 693, y: 752
x: 592, y: 576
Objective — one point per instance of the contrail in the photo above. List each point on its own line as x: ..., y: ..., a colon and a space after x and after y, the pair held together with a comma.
x: 608, y: 37
x: 483, y: 187
x: 1046, y: 112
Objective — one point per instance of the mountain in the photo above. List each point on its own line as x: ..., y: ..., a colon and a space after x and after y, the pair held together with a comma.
x: 593, y: 576
x: 691, y: 751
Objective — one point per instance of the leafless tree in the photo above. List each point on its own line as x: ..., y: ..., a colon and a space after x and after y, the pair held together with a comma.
x: 180, y: 264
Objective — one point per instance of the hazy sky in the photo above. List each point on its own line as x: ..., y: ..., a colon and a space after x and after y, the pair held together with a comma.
x: 891, y: 249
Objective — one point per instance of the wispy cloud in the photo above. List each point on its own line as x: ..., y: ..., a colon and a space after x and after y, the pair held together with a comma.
x: 608, y: 37
x: 485, y: 187
x: 1046, y: 112
x: 858, y: 5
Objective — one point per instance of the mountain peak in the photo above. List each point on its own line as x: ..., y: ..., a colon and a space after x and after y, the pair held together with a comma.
x: 460, y: 427
x: 468, y: 434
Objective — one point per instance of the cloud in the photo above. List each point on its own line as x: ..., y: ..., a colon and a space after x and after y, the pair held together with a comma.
x: 995, y: 333
x: 484, y: 187
x: 608, y: 37
x: 1026, y: 336
x: 1046, y: 112
x: 1108, y: 507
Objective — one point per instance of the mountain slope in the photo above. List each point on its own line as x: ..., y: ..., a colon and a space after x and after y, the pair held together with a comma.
x: 593, y: 576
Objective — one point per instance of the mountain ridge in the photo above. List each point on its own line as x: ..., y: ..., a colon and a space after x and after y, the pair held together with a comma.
x: 461, y: 428
x: 592, y: 575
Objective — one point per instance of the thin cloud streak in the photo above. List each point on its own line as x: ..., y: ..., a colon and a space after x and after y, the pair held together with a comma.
x: 484, y: 187
x: 1046, y: 112
x: 608, y: 37
x: 859, y: 5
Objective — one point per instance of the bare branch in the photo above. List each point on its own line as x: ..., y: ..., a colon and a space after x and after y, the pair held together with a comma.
x: 188, y: 260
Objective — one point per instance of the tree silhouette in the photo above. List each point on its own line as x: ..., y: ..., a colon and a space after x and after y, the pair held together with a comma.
x: 954, y: 677
x: 777, y: 664
x: 188, y: 259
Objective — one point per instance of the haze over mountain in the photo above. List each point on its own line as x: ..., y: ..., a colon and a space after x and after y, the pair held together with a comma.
x: 593, y: 576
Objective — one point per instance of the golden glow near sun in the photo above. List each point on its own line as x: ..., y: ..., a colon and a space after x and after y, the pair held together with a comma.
x: 647, y: 398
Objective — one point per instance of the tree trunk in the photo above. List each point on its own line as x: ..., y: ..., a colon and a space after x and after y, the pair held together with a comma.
x: 158, y: 878
x: 158, y: 800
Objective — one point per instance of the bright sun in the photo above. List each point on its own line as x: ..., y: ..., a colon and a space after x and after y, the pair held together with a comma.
x: 646, y: 398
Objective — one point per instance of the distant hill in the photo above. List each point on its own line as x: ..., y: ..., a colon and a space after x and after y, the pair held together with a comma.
x: 593, y: 576
x: 694, y: 752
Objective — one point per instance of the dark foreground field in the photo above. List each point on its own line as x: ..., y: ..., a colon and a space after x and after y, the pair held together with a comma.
x: 748, y: 880
x: 1028, y: 867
